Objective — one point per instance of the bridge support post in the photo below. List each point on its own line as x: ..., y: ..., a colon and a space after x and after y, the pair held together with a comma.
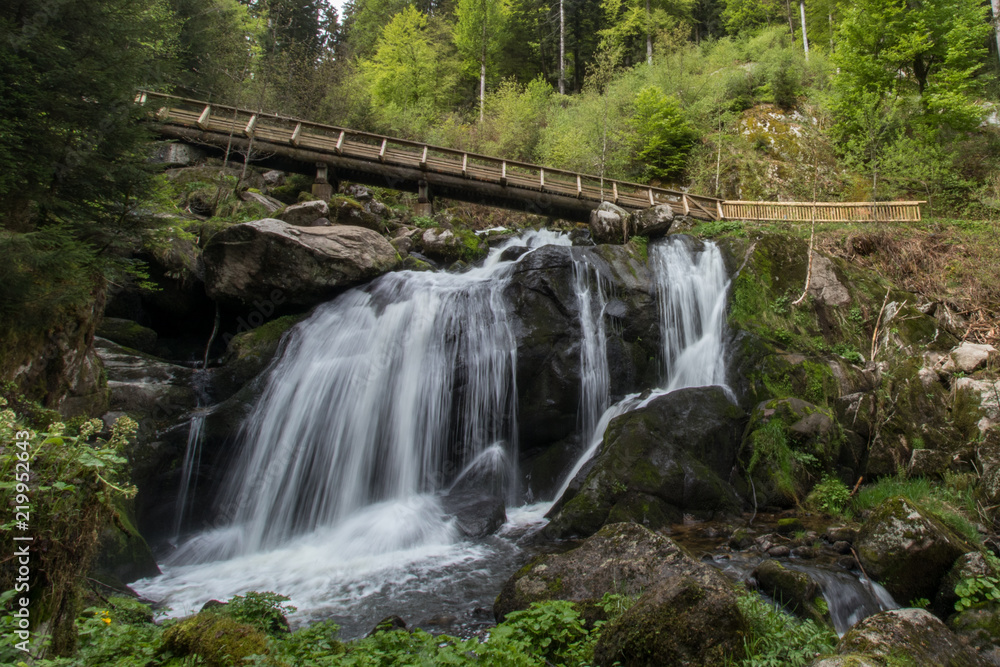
x: 425, y: 203
x: 322, y: 188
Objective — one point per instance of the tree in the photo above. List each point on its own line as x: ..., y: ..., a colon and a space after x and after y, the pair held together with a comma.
x: 931, y: 49
x: 479, y: 36
x: 410, y: 71
x: 630, y: 20
x: 743, y: 15
x: 663, y: 138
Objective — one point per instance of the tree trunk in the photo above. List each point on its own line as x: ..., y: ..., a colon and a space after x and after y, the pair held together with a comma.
x: 791, y: 22
x: 805, y: 37
x: 482, y: 89
x: 562, y: 48
x: 649, y: 36
x: 996, y: 23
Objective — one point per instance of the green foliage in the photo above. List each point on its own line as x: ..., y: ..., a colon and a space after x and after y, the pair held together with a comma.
x: 265, y: 611
x: 772, y: 451
x: 663, y: 138
x: 775, y: 639
x: 950, y: 503
x: 515, y: 116
x: 715, y: 228
x: 975, y: 590
x: 748, y: 15
x: 830, y: 495
x: 77, y: 478
x: 423, y: 222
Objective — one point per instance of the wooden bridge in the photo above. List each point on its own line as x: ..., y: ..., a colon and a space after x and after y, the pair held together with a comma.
x: 338, y: 153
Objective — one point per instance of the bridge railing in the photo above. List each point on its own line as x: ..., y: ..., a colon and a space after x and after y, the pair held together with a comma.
x: 895, y: 211
x: 274, y: 128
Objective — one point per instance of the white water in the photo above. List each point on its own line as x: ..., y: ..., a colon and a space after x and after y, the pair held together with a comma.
x: 691, y: 287
x: 335, y: 500
x: 192, y: 460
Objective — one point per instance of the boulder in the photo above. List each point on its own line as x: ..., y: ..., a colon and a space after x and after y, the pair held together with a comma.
x: 305, y: 214
x: 270, y: 204
x: 452, y: 245
x: 679, y: 621
x: 219, y: 640
x: 906, y: 550
x: 347, y: 211
x: 622, y: 558
x: 794, y: 590
x: 979, y: 627
x: 307, y: 265
x: 609, y: 223
x: 476, y: 514
x: 966, y: 358
x: 912, y: 635
x: 657, y: 463
x: 273, y: 178
x: 972, y: 564
x: 157, y: 391
x: 825, y: 286
x: 176, y: 155
x: 127, y: 333
x: 653, y: 222
x: 248, y: 353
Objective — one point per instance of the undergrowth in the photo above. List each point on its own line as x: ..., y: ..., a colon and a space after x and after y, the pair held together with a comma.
x: 775, y: 639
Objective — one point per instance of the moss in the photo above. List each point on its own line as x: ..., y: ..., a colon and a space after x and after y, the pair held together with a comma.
x: 218, y: 639
x: 638, y: 247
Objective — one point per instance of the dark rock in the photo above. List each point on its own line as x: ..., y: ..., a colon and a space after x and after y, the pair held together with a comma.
x: 979, y: 627
x: 268, y: 203
x: 128, y: 333
x: 513, y: 252
x: 248, y: 354
x: 840, y: 533
x: 779, y: 551
x: 307, y: 265
x: 476, y: 515
x: 176, y: 154
x: 450, y: 245
x: 653, y: 222
x: 621, y: 558
x: 794, y: 590
x: 842, y: 547
x: 914, y: 635
x: 658, y: 462
x: 388, y: 624
x: 906, y: 550
x: 679, y: 621
x: 972, y: 564
x: 145, y: 385
x: 848, y: 562
x: 804, y: 552
x: 790, y: 526
x: 122, y: 553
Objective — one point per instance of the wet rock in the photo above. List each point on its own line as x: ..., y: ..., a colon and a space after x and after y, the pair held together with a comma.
x: 308, y: 265
x: 794, y: 590
x: 658, y: 462
x: 779, y: 551
x: 789, y: 526
x: 248, y: 354
x: 979, y: 627
x: 621, y: 558
x: 914, y: 635
x: 906, y: 550
x: 840, y: 534
x: 388, y: 624
x: 402, y: 244
x: 476, y: 515
x: 679, y: 621
x: 176, y: 154
x: 128, y: 333
x: 842, y: 547
x: 804, y: 552
x: 144, y: 385
x: 305, y: 214
x: 450, y: 245
x: 512, y: 253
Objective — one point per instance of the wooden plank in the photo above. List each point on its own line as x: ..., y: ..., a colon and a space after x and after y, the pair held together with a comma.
x: 423, y: 159
x: 465, y: 165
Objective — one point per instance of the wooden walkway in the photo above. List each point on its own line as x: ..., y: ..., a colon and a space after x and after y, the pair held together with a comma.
x: 301, y: 145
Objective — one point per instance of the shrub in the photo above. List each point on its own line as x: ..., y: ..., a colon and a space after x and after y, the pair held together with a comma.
x: 830, y: 495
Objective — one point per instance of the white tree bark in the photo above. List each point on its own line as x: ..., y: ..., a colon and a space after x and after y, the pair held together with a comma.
x: 996, y: 22
x: 649, y: 35
x: 805, y: 37
x: 562, y: 48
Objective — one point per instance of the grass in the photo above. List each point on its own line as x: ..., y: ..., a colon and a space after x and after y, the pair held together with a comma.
x: 952, y: 502
x: 775, y: 639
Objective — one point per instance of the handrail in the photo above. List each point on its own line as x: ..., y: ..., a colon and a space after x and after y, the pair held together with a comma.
x: 144, y: 94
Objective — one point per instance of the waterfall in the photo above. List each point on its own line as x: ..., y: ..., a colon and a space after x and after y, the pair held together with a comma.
x: 691, y: 288
x: 594, y: 374
x: 192, y: 460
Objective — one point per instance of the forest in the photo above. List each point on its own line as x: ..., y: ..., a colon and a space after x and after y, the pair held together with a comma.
x: 757, y: 100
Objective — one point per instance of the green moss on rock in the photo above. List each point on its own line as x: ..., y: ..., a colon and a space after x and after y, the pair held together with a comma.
x: 219, y: 640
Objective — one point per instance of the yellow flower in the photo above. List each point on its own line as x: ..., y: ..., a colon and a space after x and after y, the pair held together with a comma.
x: 106, y: 617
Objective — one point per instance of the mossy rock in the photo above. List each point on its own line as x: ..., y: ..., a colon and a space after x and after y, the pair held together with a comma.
x: 907, y: 550
x: 979, y: 626
x: 794, y: 590
x: 658, y: 462
x: 123, y: 554
x: 452, y: 245
x: 128, y: 333
x: 621, y: 558
x: 908, y: 637
x: 248, y: 353
x: 679, y: 621
x: 219, y: 640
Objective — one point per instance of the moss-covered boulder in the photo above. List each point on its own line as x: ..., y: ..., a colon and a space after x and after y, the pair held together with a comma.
x: 908, y: 637
x: 122, y: 553
x: 127, y: 333
x: 248, y: 353
x: 679, y: 621
x: 979, y: 627
x: 789, y: 444
x: 671, y: 457
x: 621, y: 558
x: 452, y: 245
x: 972, y: 564
x: 907, y: 550
x: 794, y: 590
x: 219, y: 640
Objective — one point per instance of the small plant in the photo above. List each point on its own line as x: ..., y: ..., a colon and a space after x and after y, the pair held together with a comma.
x: 920, y: 603
x: 849, y: 352
x: 266, y: 611
x: 775, y: 638
x: 855, y: 316
x: 830, y: 495
x: 618, y: 487
x: 782, y: 305
x: 974, y: 590
x: 423, y: 222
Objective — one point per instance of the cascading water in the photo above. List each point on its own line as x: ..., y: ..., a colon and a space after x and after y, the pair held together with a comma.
x: 192, y: 460
x: 691, y: 286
